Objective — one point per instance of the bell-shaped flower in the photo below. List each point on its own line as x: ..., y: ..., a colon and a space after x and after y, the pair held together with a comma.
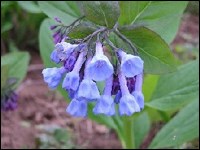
x: 127, y: 103
x: 100, y: 67
x: 54, y: 57
x: 64, y: 50
x: 137, y: 93
x: 88, y: 88
x: 130, y: 65
x: 105, y: 104
x: 71, y: 80
x: 53, y: 76
x: 77, y: 107
x: 70, y: 61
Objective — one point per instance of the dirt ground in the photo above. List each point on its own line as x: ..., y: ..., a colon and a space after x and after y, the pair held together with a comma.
x: 40, y: 106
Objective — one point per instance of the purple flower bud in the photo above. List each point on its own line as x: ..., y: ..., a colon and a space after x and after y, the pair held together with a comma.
x: 100, y: 67
x: 53, y: 76
x: 53, y: 27
x: 130, y: 65
x: 88, y: 88
x: 77, y: 108
x: 9, y: 102
x: 71, y: 81
x: 105, y: 105
x: 115, y: 86
x: 58, y: 20
x: 127, y: 104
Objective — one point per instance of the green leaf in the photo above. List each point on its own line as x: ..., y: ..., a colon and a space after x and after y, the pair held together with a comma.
x: 158, y: 59
x: 100, y: 12
x: 182, y: 128
x: 4, y: 74
x: 141, y: 127
x: 82, y: 30
x: 58, y: 9
x: 6, y: 27
x: 130, y: 10
x: 29, y: 6
x: 163, y: 17
x: 176, y: 89
x: 18, y: 62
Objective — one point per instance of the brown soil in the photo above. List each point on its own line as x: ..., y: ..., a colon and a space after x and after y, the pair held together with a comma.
x: 38, y: 105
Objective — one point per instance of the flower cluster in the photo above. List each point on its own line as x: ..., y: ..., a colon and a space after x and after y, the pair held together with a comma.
x: 81, y: 70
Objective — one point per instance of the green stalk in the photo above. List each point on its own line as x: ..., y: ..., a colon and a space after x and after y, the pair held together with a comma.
x: 129, y: 133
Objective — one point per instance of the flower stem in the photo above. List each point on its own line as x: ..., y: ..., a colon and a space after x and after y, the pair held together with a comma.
x: 129, y: 133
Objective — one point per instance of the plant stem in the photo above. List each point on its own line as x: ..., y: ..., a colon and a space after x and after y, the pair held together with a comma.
x: 129, y: 133
x: 127, y: 41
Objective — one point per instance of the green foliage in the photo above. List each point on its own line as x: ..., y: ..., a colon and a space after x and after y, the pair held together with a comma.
x: 15, y: 65
x: 176, y: 89
x: 100, y: 12
x: 163, y: 17
x: 153, y: 50
x: 182, y: 128
x: 30, y: 6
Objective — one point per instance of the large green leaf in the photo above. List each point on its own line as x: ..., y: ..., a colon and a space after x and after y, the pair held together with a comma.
x: 130, y: 10
x: 58, y: 9
x: 4, y: 74
x: 141, y: 126
x: 100, y: 12
x: 18, y: 65
x: 82, y: 30
x: 176, y: 89
x: 163, y: 17
x: 158, y: 58
x: 182, y: 128
x: 30, y: 6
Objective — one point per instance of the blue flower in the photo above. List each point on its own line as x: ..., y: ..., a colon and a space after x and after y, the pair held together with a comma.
x: 130, y: 65
x: 127, y: 103
x: 137, y: 93
x: 105, y: 105
x: 70, y: 61
x: 54, y: 57
x: 77, y: 108
x: 64, y: 49
x: 100, y: 67
x: 53, y: 76
x: 71, y: 80
x: 88, y: 88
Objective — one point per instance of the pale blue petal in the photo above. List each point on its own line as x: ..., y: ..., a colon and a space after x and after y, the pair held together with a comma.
x: 105, y: 105
x: 131, y: 65
x: 88, y: 89
x: 71, y: 81
x: 77, y: 108
x: 100, y: 68
x: 128, y: 105
x: 54, y: 57
x: 139, y: 98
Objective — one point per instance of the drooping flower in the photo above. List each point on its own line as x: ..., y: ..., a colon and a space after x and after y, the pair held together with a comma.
x: 53, y: 76
x: 137, y: 93
x: 105, y: 104
x: 71, y: 80
x: 127, y: 103
x: 100, y: 67
x: 9, y: 101
x: 64, y: 50
x: 70, y: 61
x: 88, y: 88
x: 77, y: 107
x: 54, y: 57
x: 130, y: 65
